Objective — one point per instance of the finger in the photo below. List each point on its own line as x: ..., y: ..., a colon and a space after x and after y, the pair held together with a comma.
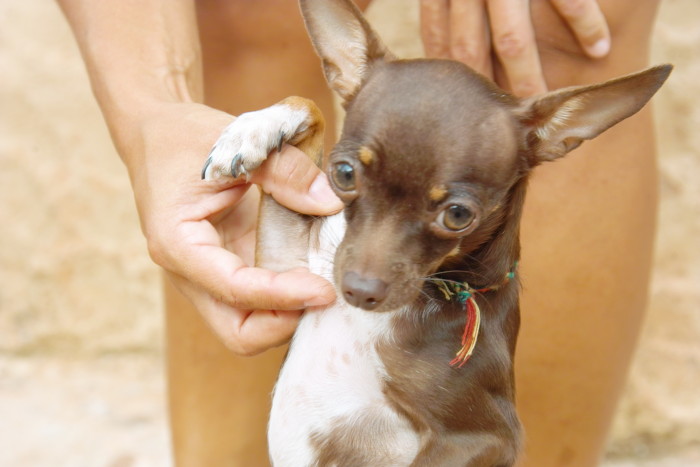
x: 249, y: 333
x: 246, y: 333
x: 265, y: 329
x: 588, y: 24
x: 211, y: 201
x: 514, y: 42
x: 225, y: 277
x: 469, y: 35
x: 296, y: 182
x: 257, y: 288
x: 435, y: 28
x: 192, y: 221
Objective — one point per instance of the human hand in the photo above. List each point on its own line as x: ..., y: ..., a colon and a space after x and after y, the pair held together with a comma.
x: 467, y: 30
x: 203, y: 233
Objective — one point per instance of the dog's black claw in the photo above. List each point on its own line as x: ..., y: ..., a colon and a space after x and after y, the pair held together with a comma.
x: 237, y: 166
x: 206, y: 166
x: 280, y: 143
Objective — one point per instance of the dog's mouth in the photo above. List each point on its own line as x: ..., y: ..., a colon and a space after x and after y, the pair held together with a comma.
x: 380, y: 274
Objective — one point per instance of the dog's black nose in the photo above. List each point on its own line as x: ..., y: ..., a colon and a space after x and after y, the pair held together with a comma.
x: 361, y: 292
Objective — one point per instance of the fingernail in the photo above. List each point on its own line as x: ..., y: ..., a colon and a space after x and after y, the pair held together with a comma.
x: 600, y: 48
x: 321, y: 191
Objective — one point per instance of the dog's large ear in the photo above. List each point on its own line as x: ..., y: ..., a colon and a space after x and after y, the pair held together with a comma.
x: 560, y: 121
x: 345, y: 42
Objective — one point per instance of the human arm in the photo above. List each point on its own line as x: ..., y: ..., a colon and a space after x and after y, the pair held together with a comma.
x: 144, y: 63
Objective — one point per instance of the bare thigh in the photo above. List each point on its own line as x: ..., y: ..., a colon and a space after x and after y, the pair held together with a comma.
x: 588, y: 232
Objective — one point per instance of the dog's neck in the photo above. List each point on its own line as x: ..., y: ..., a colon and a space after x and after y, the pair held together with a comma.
x: 489, y: 263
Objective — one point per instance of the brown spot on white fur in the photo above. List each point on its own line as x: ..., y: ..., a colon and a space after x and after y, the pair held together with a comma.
x: 355, y: 441
x: 301, y: 103
x: 309, y: 139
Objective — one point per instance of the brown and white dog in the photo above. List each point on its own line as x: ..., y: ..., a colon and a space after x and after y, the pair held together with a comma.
x: 432, y: 166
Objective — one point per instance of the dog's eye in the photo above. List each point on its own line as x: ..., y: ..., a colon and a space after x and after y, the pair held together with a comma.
x: 344, y: 176
x: 456, y: 217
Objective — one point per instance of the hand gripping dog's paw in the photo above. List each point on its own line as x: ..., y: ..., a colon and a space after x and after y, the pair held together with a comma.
x: 245, y: 143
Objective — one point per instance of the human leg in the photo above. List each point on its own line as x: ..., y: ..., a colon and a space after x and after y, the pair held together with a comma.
x: 587, y: 237
x: 217, y: 401
x: 254, y: 54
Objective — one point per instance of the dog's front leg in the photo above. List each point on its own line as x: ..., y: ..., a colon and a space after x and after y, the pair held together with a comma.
x: 282, y: 235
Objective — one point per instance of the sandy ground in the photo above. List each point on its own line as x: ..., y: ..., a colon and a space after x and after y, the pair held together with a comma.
x: 81, y: 379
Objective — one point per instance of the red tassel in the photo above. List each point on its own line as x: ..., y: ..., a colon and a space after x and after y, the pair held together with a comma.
x: 471, y: 328
x: 471, y: 333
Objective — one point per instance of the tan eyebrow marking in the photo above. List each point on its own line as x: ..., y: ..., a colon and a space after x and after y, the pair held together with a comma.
x: 437, y: 193
x: 366, y: 155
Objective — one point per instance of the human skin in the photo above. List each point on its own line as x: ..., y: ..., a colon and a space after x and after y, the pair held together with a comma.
x: 581, y: 306
x: 500, y: 33
x: 144, y: 62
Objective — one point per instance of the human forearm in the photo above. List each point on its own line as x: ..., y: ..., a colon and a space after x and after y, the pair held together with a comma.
x: 139, y: 55
x: 144, y: 63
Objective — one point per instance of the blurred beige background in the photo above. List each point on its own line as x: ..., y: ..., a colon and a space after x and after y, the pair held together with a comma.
x: 81, y: 379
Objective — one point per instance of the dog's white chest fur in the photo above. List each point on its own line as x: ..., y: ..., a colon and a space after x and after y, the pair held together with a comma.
x: 333, y: 377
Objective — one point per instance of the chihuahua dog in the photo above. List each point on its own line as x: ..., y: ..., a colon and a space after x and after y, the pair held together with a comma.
x: 413, y: 365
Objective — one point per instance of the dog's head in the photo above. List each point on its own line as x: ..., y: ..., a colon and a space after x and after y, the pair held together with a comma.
x: 432, y: 154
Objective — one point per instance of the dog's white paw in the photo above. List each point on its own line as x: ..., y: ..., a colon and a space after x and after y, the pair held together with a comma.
x: 245, y: 143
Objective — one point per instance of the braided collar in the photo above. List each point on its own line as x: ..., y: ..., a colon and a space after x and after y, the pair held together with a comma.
x: 464, y: 294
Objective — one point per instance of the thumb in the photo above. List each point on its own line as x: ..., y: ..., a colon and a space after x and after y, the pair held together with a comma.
x: 294, y: 181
